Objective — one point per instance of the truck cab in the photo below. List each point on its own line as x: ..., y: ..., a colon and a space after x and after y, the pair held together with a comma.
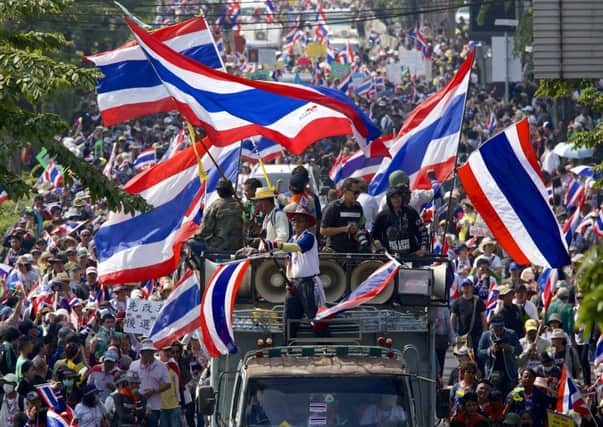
x: 377, y: 366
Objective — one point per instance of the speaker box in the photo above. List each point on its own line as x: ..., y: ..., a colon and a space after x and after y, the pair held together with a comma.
x: 333, y: 280
x: 362, y: 271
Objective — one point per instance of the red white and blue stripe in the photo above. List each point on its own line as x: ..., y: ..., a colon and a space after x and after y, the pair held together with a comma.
x: 355, y: 166
x: 599, y: 351
x: 429, y: 137
x: 569, y: 396
x: 491, y: 123
x: 217, y: 307
x: 514, y: 206
x: 550, y: 193
x: 52, y: 399
x: 147, y: 245
x: 145, y: 160
x: 547, y: 283
x: 3, y: 195
x: 574, y: 193
x: 54, y: 419
x: 130, y: 88
x: 492, y: 300
x: 179, y: 314
x: 52, y: 174
x: 571, y: 224
x: 321, y: 30
x: 345, y: 82
x: 269, y: 13
x: 420, y: 43
x: 258, y: 147
x: 598, y: 227
x: 177, y: 144
x: 231, y: 108
x: 585, y: 224
x: 367, y: 290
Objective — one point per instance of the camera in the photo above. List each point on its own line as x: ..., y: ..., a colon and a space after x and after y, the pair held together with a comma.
x: 363, y: 240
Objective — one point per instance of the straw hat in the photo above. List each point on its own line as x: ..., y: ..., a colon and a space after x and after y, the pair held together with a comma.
x: 300, y: 210
x: 263, y: 193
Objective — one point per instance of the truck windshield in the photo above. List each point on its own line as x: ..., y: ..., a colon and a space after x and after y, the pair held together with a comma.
x: 350, y: 402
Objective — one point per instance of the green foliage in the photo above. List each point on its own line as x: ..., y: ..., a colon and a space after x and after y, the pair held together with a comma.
x: 30, y: 76
x: 524, y: 34
x: 590, y: 274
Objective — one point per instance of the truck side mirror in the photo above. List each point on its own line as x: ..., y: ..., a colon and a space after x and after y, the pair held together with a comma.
x: 206, y: 399
x: 443, y: 403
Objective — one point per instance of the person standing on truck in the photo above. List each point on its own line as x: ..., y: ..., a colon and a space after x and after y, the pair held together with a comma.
x: 398, y: 228
x: 343, y: 221
x: 253, y: 215
x: 275, y: 225
x: 302, y: 269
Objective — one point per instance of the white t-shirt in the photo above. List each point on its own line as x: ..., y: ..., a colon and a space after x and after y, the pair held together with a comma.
x: 87, y: 416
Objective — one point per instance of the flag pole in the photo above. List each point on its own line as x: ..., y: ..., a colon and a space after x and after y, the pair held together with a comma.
x: 456, y: 159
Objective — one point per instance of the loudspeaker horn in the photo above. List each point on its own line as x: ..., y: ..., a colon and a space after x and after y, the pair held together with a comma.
x: 269, y: 282
x: 245, y: 287
x: 441, y: 286
x: 333, y: 280
x: 362, y: 272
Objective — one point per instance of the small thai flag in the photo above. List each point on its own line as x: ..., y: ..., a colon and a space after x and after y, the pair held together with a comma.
x: 598, y: 228
x: 3, y: 195
x: 269, y: 14
x: 491, y: 124
x: 145, y: 160
x: 599, y: 351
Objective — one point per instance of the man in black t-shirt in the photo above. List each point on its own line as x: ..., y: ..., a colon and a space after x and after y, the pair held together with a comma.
x: 462, y: 311
x: 509, y: 311
x: 343, y: 218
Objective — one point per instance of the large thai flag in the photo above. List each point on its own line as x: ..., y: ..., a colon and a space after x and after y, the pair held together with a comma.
x: 130, y: 88
x: 429, y: 137
x: 3, y: 195
x: 132, y: 248
x: 514, y: 205
x: 367, y: 290
x: 599, y: 351
x: 145, y: 160
x: 569, y: 397
x: 217, y: 307
x: 258, y: 147
x: 231, y: 108
x: 179, y: 314
x: 547, y: 283
x: 355, y: 166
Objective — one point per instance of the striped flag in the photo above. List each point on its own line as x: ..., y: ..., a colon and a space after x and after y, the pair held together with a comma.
x: 571, y: 224
x: 130, y: 88
x: 258, y: 147
x: 52, y: 174
x: 429, y: 137
x: 147, y: 288
x: 514, y: 206
x: 368, y: 289
x: 3, y: 195
x: 491, y: 123
x: 547, y: 283
x: 217, y: 306
x: 550, y: 193
x: 355, y: 166
x: 420, y: 43
x: 145, y: 160
x: 569, y: 396
x: 491, y: 300
x: 598, y: 227
x: 599, y: 351
x: 179, y: 314
x: 321, y: 30
x: 574, y: 193
x: 231, y: 108
x: 586, y: 223
x: 269, y: 14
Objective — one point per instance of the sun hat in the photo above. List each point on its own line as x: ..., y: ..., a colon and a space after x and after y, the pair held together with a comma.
x: 147, y: 345
x: 300, y: 210
x: 263, y: 193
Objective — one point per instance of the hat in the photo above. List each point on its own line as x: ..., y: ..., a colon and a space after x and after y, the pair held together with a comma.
x: 300, y: 210
x: 463, y: 351
x: 263, y: 193
x: 527, y: 275
x: 61, y: 277
x: 504, y: 290
x: 32, y: 395
x: 558, y: 333
x: 531, y: 325
x: 562, y: 293
x: 398, y: 177
x: 486, y: 241
x: 147, y: 345
x: 554, y: 317
x: 109, y: 356
x: 467, y: 281
x: 91, y: 270
x: 82, y: 252
x: 10, y: 378
x: 512, y: 419
x: 89, y: 389
x: 514, y: 266
x: 132, y: 377
x: 122, y: 378
x: 23, y: 260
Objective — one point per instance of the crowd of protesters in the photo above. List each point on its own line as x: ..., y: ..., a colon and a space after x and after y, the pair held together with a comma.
x: 58, y: 325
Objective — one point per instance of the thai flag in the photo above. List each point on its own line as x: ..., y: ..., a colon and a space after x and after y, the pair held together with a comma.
x: 179, y: 314
x: 429, y: 137
x: 177, y: 144
x: 3, y: 195
x: 258, y: 147
x: 420, y: 42
x: 217, y: 306
x: 571, y: 225
x: 55, y: 419
x: 491, y: 300
x: 491, y: 124
x: 130, y: 88
x: 248, y: 67
x: 345, y: 82
x: 71, y: 227
x: 569, y: 397
x: 145, y: 160
x: 147, y: 288
x: 514, y: 206
x: 355, y: 166
x: 335, y: 171
x: 346, y: 55
x: 321, y: 30
x: 380, y: 83
x: 472, y: 44
x: 574, y: 193
x: 5, y: 270
x: 52, y: 399
x: 598, y: 227
x: 374, y: 38
x: 292, y: 32
x: 269, y: 14
x: 52, y: 174
x: 365, y: 87
x: 599, y: 351
x: 547, y: 282
x: 231, y: 108
x: 585, y: 171
x: 133, y: 248
x: 585, y: 224
x: 550, y: 193
x: 368, y: 289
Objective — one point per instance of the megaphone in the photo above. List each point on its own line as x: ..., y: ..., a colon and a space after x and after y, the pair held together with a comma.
x: 244, y: 292
x: 270, y: 283
x: 441, y: 286
x: 333, y: 280
x: 362, y: 272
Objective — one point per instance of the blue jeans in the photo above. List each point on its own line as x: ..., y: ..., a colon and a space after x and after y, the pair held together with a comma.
x: 153, y: 419
x: 170, y: 418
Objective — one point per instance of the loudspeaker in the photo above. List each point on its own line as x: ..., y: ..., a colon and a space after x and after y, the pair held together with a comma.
x: 441, y: 286
x: 269, y: 282
x: 245, y: 289
x: 333, y: 280
x: 362, y: 271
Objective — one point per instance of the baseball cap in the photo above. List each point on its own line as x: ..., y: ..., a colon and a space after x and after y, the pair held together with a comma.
x: 531, y: 325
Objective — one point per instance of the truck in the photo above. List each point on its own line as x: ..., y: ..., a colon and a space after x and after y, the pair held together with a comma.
x: 376, y: 367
